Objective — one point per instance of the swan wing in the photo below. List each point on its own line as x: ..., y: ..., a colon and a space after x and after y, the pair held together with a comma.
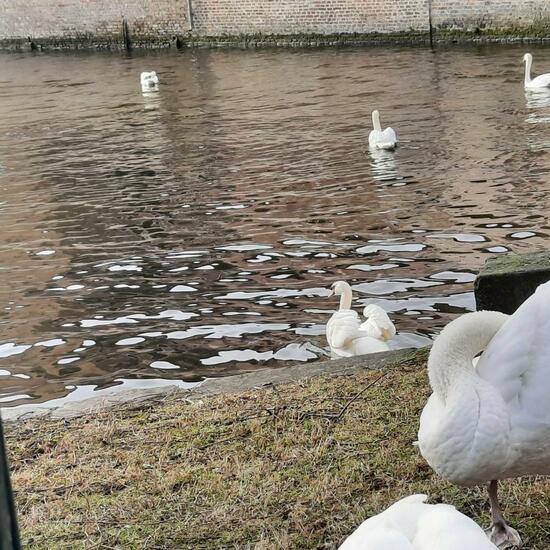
x: 363, y: 344
x: 342, y: 328
x: 381, y: 538
x: 445, y: 528
x: 377, y: 324
x: 392, y: 529
x: 517, y: 360
x: 541, y: 81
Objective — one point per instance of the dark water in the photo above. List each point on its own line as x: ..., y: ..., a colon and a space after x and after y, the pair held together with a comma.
x: 192, y: 234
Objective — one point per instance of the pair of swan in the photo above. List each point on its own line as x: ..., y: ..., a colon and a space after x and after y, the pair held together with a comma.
x: 348, y: 336
x: 540, y: 82
x: 411, y: 524
x: 387, y: 138
x: 488, y: 418
x: 149, y: 81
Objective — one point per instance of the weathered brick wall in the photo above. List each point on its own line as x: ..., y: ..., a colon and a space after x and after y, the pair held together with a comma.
x: 98, y: 22
x: 216, y: 17
x: 490, y: 14
x: 83, y: 19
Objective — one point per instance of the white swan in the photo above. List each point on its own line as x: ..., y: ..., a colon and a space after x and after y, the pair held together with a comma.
x: 381, y: 139
x: 491, y: 421
x: 541, y: 81
x: 411, y: 524
x: 347, y: 336
x: 149, y: 81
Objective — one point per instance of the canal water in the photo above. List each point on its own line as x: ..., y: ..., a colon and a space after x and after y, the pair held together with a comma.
x: 193, y: 233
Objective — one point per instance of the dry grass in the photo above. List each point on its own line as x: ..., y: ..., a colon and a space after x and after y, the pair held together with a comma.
x: 273, y: 468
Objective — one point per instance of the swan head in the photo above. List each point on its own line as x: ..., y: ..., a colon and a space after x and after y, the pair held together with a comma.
x: 527, y: 57
x: 338, y: 288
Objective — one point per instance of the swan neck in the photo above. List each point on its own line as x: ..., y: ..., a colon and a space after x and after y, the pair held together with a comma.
x: 345, y: 299
x: 455, y: 348
x: 376, y: 121
x: 528, y: 62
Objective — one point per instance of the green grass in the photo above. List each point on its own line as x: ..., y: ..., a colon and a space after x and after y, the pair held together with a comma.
x: 289, y: 467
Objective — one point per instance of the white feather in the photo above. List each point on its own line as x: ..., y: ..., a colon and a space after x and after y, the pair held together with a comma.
x: 411, y: 524
x: 541, y: 81
x: 149, y: 81
x: 493, y: 421
x: 381, y: 139
x: 347, y: 337
x: 377, y: 324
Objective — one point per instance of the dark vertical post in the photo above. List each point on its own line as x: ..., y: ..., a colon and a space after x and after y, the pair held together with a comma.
x: 190, y: 14
x: 126, y: 34
x: 9, y: 534
x: 430, y: 23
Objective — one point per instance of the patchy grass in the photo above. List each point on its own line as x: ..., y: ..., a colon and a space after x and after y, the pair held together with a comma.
x: 297, y: 466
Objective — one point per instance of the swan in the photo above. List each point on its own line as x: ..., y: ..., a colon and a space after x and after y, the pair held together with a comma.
x: 541, y: 81
x: 347, y: 336
x: 411, y: 524
x: 149, y: 81
x: 491, y: 421
x: 381, y: 139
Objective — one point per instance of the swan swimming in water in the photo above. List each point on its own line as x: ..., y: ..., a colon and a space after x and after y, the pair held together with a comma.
x: 347, y: 336
x: 381, y: 139
x: 149, y: 81
x: 541, y: 81
x: 411, y: 524
x: 491, y: 421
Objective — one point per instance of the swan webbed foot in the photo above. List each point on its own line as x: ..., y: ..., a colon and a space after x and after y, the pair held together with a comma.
x: 503, y: 536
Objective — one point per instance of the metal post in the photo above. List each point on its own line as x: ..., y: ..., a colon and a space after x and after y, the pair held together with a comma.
x: 430, y: 23
x: 126, y: 34
x: 9, y: 534
x: 190, y: 14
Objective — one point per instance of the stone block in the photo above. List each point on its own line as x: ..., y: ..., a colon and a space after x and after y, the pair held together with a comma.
x: 506, y: 281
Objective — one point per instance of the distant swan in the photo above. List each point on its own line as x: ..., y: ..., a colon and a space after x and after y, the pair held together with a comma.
x: 491, y: 421
x: 541, y: 81
x: 381, y: 139
x: 149, y: 81
x: 347, y: 336
x: 411, y: 524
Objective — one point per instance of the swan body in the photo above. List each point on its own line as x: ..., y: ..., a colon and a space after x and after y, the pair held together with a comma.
x: 149, y: 81
x: 491, y: 421
x: 381, y: 139
x: 347, y: 336
x: 541, y: 81
x: 411, y: 524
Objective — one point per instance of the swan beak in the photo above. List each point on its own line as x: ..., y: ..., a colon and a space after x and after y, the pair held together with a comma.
x: 330, y: 292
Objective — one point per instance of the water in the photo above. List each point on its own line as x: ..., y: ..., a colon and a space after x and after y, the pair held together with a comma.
x: 193, y: 233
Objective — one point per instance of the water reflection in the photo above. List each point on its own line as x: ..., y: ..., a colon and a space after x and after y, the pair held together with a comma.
x: 194, y: 233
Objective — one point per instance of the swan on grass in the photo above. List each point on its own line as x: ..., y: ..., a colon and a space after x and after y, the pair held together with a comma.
x: 381, y: 139
x: 149, y: 81
x: 491, y: 421
x: 411, y: 524
x: 347, y: 336
x: 541, y: 81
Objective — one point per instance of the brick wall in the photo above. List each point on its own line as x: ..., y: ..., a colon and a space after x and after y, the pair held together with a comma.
x: 216, y: 17
x: 493, y: 14
x: 153, y: 21
x: 86, y: 19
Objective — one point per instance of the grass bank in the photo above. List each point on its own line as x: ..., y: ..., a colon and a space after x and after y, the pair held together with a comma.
x: 293, y: 466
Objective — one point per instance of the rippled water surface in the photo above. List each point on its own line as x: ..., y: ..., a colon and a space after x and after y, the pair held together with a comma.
x: 193, y: 233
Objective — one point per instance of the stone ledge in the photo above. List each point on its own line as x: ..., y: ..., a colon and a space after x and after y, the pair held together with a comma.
x: 214, y: 386
x: 506, y: 281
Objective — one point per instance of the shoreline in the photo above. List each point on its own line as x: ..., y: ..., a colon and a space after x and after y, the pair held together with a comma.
x: 261, y: 378
x: 533, y: 35
x: 296, y: 464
